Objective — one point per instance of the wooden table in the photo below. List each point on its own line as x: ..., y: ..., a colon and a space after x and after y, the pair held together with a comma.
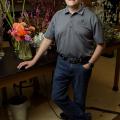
x: 9, y: 74
x: 115, y: 45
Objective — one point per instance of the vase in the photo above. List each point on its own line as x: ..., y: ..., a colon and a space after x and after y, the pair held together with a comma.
x: 16, y: 46
x: 24, y: 52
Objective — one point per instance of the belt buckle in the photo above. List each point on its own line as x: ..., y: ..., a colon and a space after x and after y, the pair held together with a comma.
x: 79, y: 60
x: 75, y: 60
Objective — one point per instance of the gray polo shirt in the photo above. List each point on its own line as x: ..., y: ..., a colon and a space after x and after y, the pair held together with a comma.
x: 75, y: 34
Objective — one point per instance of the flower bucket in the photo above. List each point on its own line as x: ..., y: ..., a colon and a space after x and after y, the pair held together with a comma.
x: 18, y: 108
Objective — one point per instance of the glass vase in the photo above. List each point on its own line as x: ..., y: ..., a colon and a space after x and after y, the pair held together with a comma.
x: 24, y: 51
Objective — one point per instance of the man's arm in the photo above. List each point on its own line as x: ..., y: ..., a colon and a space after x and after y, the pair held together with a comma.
x: 98, y: 50
x: 97, y: 53
x: 42, y: 48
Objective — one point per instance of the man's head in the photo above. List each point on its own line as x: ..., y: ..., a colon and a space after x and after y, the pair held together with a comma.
x: 73, y: 3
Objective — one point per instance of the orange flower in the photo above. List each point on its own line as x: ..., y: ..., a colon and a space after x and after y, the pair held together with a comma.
x: 19, y: 28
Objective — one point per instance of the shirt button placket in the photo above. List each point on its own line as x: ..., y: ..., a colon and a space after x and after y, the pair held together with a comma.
x: 70, y: 23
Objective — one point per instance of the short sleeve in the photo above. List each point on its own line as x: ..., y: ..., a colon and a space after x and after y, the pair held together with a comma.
x: 50, y: 32
x: 97, y: 30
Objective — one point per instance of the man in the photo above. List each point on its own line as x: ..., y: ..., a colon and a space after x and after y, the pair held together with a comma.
x: 75, y: 29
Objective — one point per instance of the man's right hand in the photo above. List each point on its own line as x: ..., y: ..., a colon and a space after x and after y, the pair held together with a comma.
x: 43, y: 47
x: 26, y: 64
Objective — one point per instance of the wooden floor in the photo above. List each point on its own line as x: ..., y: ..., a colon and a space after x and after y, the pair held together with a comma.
x: 99, y: 95
x: 117, y: 117
x: 3, y: 115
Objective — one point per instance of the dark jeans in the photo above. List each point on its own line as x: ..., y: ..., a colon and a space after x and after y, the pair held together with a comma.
x: 75, y: 74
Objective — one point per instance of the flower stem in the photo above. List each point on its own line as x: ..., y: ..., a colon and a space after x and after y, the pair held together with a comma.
x: 23, y: 7
x: 13, y: 9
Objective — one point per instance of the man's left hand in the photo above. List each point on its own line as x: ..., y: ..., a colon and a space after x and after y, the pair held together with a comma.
x: 86, y: 66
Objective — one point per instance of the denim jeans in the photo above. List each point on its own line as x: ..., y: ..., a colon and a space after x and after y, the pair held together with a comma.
x: 65, y: 74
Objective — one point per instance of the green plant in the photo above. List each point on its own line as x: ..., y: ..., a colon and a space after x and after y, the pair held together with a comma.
x: 7, y: 7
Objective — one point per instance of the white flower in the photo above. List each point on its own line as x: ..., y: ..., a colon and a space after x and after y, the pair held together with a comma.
x: 38, y: 38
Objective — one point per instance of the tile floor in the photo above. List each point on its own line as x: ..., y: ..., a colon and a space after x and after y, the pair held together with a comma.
x: 99, y: 95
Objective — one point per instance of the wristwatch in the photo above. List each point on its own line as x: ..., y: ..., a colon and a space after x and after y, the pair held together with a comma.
x: 91, y: 64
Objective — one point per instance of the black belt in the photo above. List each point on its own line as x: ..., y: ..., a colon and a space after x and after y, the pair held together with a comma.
x: 75, y: 60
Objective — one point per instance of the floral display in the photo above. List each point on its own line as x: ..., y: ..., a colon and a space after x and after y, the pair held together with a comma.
x: 111, y: 33
x: 39, y: 15
x: 108, y: 11
x: 28, y: 26
x: 20, y: 31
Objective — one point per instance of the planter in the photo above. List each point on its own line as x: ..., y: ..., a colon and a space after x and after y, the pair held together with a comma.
x: 18, y: 108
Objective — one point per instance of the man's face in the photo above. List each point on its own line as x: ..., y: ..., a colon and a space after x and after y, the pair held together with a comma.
x: 73, y: 3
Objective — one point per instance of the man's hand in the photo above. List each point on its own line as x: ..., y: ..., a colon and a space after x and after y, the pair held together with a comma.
x: 86, y: 66
x: 43, y: 47
x: 26, y: 64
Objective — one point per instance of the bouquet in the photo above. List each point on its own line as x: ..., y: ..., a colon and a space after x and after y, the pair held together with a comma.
x: 38, y: 16
x: 20, y: 31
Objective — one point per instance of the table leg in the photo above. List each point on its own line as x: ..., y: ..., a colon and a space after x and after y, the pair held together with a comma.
x: 4, y: 96
x: 117, y: 71
x: 36, y: 86
x: 4, y: 109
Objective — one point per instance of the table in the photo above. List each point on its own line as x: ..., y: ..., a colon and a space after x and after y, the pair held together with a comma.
x: 9, y: 74
x: 115, y: 45
x: 9, y: 71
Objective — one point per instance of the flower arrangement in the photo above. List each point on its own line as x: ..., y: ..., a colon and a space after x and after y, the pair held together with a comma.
x: 22, y: 35
x: 34, y: 22
x: 38, y: 16
x: 20, y: 31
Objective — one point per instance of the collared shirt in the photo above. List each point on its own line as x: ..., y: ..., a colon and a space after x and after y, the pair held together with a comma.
x: 75, y: 34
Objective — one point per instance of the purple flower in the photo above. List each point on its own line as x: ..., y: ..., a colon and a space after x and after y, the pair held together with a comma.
x: 28, y: 38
